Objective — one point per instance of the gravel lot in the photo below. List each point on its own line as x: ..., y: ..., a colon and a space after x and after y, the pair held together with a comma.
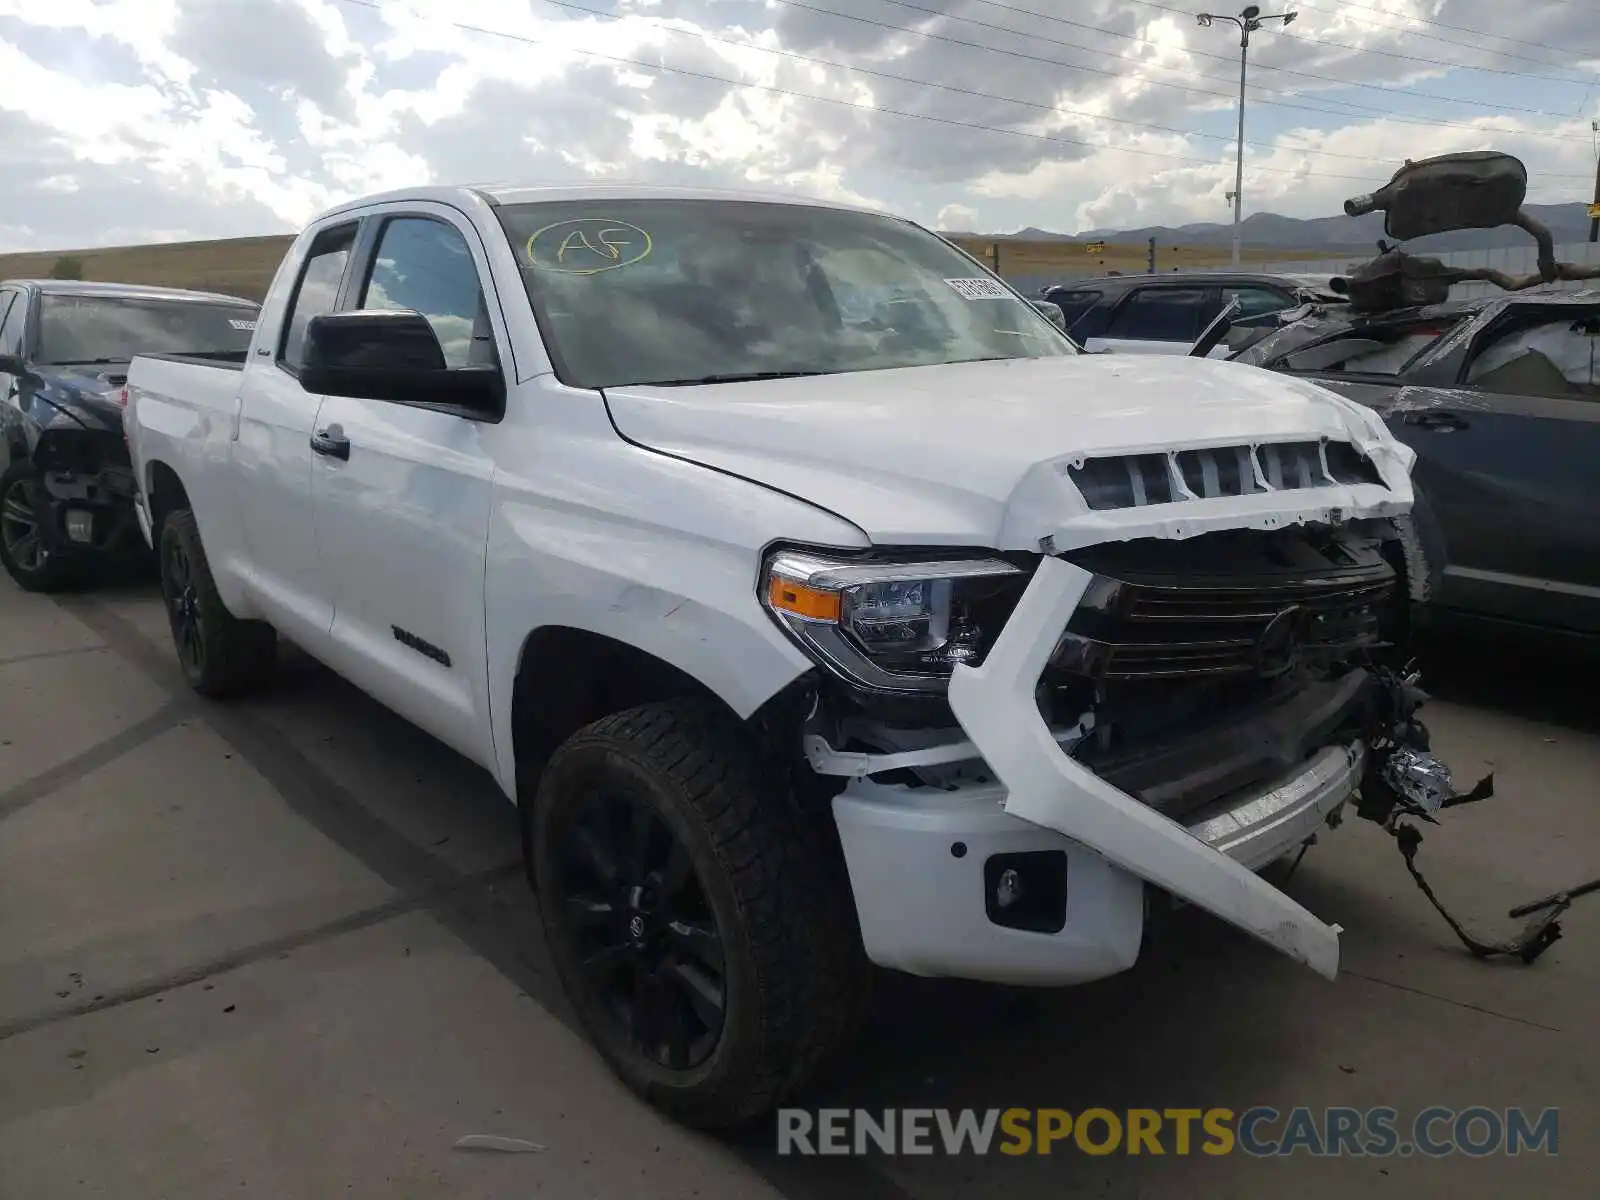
x: 284, y: 947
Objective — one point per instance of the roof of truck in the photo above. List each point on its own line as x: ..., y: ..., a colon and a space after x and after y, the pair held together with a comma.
x: 512, y: 193
x: 126, y: 291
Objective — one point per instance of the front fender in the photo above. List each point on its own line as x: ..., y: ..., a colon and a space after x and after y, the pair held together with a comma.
x: 668, y: 565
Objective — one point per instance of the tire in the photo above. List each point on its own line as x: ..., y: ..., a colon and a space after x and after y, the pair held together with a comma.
x: 747, y: 877
x: 24, y: 548
x: 220, y: 654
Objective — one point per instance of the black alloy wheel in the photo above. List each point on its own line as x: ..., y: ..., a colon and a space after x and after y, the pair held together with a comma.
x: 643, y: 932
x: 19, y: 525
x: 180, y: 588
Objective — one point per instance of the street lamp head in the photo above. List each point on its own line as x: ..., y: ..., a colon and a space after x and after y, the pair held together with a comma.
x: 1251, y: 12
x: 1203, y: 20
x: 1288, y: 17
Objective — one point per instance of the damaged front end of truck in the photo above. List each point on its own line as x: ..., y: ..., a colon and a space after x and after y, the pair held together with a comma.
x: 72, y: 508
x: 1179, y: 668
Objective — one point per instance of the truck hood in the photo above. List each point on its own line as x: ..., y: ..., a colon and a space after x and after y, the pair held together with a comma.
x: 980, y: 454
x: 79, y: 397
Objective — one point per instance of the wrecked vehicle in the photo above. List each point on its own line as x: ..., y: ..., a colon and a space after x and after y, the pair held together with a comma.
x: 66, y: 482
x: 817, y: 601
x: 1498, y: 397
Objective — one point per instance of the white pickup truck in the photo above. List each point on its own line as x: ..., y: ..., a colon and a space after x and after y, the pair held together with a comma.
x: 815, y: 600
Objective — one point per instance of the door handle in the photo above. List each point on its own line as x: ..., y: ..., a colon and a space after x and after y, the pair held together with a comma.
x: 332, y: 442
x: 1436, y: 419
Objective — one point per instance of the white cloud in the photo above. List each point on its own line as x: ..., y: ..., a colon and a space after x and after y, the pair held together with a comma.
x: 147, y: 118
x: 957, y: 217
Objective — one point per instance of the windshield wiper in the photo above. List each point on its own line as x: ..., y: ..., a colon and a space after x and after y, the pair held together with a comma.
x: 734, y: 377
x: 84, y: 362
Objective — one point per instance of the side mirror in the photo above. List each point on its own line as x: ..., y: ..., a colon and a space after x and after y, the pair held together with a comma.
x: 12, y: 364
x: 393, y: 355
x: 1052, y: 312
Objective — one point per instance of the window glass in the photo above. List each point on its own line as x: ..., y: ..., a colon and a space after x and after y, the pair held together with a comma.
x: 1376, y: 352
x: 1255, y: 301
x: 1551, y: 358
x: 1160, y: 315
x: 87, y: 329
x: 11, y: 324
x: 1073, y: 305
x: 681, y: 291
x: 318, y: 290
x: 424, y: 266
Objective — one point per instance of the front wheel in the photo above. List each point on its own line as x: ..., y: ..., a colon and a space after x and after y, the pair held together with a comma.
x: 220, y: 654
x: 680, y: 901
x: 25, y: 549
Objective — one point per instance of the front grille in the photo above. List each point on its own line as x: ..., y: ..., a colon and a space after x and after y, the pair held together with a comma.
x: 1137, y: 480
x: 1295, y: 604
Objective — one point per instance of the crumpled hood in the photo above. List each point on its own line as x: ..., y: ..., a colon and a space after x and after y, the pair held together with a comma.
x: 82, y: 396
x: 977, y: 454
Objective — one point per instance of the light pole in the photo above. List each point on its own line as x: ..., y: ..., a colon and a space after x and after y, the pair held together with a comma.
x: 1249, y: 20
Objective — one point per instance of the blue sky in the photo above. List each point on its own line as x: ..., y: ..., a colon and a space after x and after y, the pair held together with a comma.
x: 134, y: 120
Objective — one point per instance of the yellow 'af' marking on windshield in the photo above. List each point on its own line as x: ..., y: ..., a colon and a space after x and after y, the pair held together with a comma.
x: 587, y: 246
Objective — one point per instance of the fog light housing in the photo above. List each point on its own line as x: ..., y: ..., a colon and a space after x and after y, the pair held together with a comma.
x: 1027, y: 890
x: 80, y: 525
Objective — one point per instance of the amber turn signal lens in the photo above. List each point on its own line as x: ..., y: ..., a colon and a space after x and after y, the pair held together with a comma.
x: 813, y: 604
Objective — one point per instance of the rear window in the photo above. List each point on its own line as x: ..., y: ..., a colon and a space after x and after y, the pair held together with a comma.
x: 1074, y: 305
x: 1161, y: 315
x: 1365, y: 352
x: 112, y: 329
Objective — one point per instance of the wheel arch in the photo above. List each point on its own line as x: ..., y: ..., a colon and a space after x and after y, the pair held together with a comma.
x: 166, y: 495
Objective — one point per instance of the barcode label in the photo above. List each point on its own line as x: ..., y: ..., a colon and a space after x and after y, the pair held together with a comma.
x: 979, y: 289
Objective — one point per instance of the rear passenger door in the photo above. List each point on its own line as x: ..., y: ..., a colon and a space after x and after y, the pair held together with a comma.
x: 271, y: 476
x: 402, y: 511
x: 1160, y: 319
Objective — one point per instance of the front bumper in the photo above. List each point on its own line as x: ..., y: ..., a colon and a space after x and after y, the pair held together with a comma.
x: 105, y: 501
x: 918, y: 860
x: 917, y: 857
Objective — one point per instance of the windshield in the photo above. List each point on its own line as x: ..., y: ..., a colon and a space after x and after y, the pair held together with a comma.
x: 693, y: 291
x: 112, y: 329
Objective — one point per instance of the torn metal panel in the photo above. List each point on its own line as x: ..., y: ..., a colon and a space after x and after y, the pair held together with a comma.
x: 996, y: 706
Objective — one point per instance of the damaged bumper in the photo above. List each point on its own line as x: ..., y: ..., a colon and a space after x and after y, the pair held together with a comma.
x: 926, y: 867
x: 995, y: 705
x: 1038, y: 874
x: 89, y: 493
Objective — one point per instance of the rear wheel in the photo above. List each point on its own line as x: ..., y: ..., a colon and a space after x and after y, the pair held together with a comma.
x: 220, y: 654
x: 680, y: 902
x: 24, y: 533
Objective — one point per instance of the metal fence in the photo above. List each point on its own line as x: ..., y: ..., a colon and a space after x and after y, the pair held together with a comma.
x: 1513, y: 260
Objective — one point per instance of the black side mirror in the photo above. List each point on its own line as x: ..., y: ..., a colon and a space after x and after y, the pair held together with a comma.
x: 394, y: 355
x: 12, y: 364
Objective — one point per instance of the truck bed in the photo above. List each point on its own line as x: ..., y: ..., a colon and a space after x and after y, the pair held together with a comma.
x: 185, y: 381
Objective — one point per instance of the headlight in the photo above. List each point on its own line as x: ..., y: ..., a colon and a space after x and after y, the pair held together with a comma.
x: 892, y: 626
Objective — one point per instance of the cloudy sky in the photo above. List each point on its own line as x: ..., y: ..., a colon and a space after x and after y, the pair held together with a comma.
x: 125, y: 121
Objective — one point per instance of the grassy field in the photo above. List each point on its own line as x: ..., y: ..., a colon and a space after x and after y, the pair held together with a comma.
x: 238, y: 266
x: 244, y: 266
x: 1073, y: 258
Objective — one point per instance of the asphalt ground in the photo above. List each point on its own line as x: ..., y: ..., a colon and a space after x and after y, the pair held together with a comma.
x: 283, y: 947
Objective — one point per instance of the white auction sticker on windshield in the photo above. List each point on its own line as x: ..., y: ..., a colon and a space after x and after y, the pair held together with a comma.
x: 979, y: 289
x: 241, y: 324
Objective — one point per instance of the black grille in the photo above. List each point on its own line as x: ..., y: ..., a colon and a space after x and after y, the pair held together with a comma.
x: 1299, y: 604
x: 1136, y: 480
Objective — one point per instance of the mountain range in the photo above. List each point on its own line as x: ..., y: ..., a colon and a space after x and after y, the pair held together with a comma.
x: 1337, y: 235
